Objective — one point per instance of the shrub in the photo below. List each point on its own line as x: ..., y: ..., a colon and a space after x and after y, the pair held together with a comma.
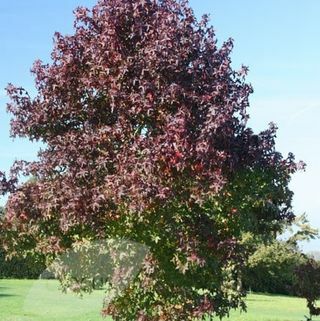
x: 308, y: 284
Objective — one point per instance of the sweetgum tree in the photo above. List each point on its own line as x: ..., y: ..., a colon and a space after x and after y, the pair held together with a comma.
x: 144, y: 126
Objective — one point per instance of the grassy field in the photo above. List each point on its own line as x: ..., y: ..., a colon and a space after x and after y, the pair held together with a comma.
x: 25, y: 300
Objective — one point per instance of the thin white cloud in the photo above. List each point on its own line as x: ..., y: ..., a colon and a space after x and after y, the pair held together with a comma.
x: 300, y: 113
x: 285, y: 110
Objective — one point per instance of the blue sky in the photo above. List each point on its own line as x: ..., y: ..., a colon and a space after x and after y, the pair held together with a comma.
x: 278, y: 40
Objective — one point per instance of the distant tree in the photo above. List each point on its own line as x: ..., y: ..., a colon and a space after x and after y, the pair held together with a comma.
x: 144, y: 126
x: 272, y: 264
x: 271, y: 268
x: 301, y: 230
x: 21, y: 268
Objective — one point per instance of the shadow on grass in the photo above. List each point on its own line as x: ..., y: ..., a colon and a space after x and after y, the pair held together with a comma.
x: 3, y: 295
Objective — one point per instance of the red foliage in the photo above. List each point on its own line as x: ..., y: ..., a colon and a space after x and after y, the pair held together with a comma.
x: 144, y: 125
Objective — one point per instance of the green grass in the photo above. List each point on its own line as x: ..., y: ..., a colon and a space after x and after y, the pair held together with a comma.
x: 25, y: 300
x: 41, y: 300
x: 272, y: 308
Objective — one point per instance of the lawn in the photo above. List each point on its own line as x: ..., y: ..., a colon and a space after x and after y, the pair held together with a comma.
x: 41, y: 300
x: 25, y: 300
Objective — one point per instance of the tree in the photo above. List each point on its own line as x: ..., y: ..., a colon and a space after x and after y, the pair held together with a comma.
x: 144, y: 125
x: 272, y: 264
x: 300, y: 231
x: 271, y: 268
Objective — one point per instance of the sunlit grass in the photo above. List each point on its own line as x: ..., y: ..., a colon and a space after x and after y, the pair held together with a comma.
x: 262, y: 307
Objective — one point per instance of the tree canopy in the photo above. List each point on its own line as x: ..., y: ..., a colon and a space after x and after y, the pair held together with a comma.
x: 273, y: 259
x: 144, y: 124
